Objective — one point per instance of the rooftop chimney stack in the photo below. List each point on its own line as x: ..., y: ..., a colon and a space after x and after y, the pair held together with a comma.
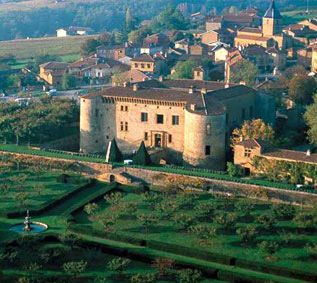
x: 135, y: 87
x: 308, y: 153
x: 191, y: 90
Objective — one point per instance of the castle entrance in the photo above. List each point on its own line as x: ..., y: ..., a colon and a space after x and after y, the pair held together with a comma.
x: 158, y: 140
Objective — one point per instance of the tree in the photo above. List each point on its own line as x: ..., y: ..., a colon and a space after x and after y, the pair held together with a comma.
x: 114, y: 154
x: 301, y: 89
x: 255, y: 129
x: 147, y: 221
x: 248, y: 234
x: 129, y: 20
x: 170, y: 18
x: 311, y: 120
x: 267, y: 221
x: 113, y: 198
x: 137, y: 36
x: 89, y: 46
x: 142, y: 157
x: 75, y: 267
x: 118, y: 264
x: 184, y: 69
x: 143, y: 278
x: 163, y: 265
x: 189, y: 276
x: 269, y: 248
x: 244, y: 71
x: 68, y: 82
x: 91, y: 208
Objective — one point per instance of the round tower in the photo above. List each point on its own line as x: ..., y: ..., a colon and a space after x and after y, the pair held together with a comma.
x: 90, y: 128
x: 204, y: 139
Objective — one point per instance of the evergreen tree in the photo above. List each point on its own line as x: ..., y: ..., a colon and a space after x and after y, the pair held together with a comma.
x: 142, y: 157
x: 114, y: 153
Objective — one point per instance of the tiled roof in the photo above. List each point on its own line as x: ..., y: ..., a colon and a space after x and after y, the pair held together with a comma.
x: 227, y: 93
x: 204, y: 104
x: 186, y: 84
x: 84, y: 63
x: 251, y: 30
x: 54, y: 66
x: 143, y: 58
x: 291, y: 155
x: 254, y: 37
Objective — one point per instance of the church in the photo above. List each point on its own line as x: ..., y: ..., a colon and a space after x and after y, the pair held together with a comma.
x: 268, y: 35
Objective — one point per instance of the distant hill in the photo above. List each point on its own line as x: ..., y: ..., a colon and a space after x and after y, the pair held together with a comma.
x: 37, y: 18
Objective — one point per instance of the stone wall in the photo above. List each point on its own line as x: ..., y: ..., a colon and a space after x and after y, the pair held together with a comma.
x: 165, y: 179
x: 90, y: 168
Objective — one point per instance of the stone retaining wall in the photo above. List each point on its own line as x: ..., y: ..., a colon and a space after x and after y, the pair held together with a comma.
x: 164, y: 179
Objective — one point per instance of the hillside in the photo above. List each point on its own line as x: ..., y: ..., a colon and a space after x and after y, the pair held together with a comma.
x: 26, y: 49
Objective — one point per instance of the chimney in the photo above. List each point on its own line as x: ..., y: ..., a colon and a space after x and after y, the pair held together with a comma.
x: 135, y: 87
x: 191, y: 90
x: 193, y: 107
x: 125, y: 84
x: 308, y: 152
x: 161, y: 78
x: 227, y: 85
x: 203, y: 91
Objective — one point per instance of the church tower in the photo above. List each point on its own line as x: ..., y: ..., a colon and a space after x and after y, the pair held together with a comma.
x: 271, y: 21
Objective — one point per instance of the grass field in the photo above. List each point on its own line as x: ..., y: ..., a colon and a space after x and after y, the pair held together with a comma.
x: 206, y: 223
x: 26, y: 190
x: 292, y: 17
x: 66, y: 47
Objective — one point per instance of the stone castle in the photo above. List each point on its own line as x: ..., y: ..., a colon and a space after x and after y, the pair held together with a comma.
x: 188, y: 121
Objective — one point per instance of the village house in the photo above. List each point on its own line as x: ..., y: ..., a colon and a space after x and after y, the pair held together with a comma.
x: 155, y: 43
x: 314, y: 59
x: 71, y: 31
x: 52, y: 73
x: 245, y: 152
x: 148, y: 64
x: 132, y: 76
x: 301, y: 35
x: 118, y: 52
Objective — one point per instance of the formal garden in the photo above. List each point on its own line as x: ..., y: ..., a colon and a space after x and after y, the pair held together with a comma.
x: 99, y: 232
x: 205, y: 226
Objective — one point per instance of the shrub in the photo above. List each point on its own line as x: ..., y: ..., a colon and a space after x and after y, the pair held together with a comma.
x: 267, y: 221
x: 142, y: 157
x: 248, y: 234
x: 143, y: 278
x: 189, y: 276
x: 163, y: 265
x: 269, y: 247
x: 75, y: 267
x: 118, y: 264
x: 234, y: 170
x: 114, y: 154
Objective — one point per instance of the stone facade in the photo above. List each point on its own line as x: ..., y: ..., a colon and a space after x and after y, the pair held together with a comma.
x: 193, y: 127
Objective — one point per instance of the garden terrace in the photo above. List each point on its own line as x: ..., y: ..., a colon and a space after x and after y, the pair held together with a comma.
x: 274, y: 239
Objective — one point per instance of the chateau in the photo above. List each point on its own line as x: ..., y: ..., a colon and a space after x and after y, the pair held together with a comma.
x: 187, y: 121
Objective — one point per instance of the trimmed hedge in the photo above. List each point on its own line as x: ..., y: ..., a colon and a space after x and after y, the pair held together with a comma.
x: 278, y: 270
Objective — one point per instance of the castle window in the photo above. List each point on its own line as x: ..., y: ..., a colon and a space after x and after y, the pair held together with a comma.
x: 136, y: 65
x: 247, y: 152
x: 142, y: 66
x: 144, y: 117
x: 148, y: 66
x: 160, y: 119
x: 208, y: 129
x: 107, y: 137
x: 126, y: 108
x: 121, y: 126
x: 126, y: 126
x: 207, y: 150
x: 122, y: 108
x: 175, y: 120
x: 146, y: 136
x: 169, y: 138
x: 243, y: 114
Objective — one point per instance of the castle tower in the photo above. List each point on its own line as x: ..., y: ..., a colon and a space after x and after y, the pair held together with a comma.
x: 271, y: 21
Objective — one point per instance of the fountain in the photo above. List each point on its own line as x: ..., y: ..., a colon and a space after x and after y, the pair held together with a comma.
x: 28, y: 226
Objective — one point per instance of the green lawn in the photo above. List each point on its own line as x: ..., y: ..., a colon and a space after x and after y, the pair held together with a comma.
x: 24, y: 189
x: 199, y: 221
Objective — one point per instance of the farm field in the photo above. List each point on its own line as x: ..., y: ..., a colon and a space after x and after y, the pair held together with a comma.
x: 195, y: 223
x: 292, y: 17
x: 26, y: 49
